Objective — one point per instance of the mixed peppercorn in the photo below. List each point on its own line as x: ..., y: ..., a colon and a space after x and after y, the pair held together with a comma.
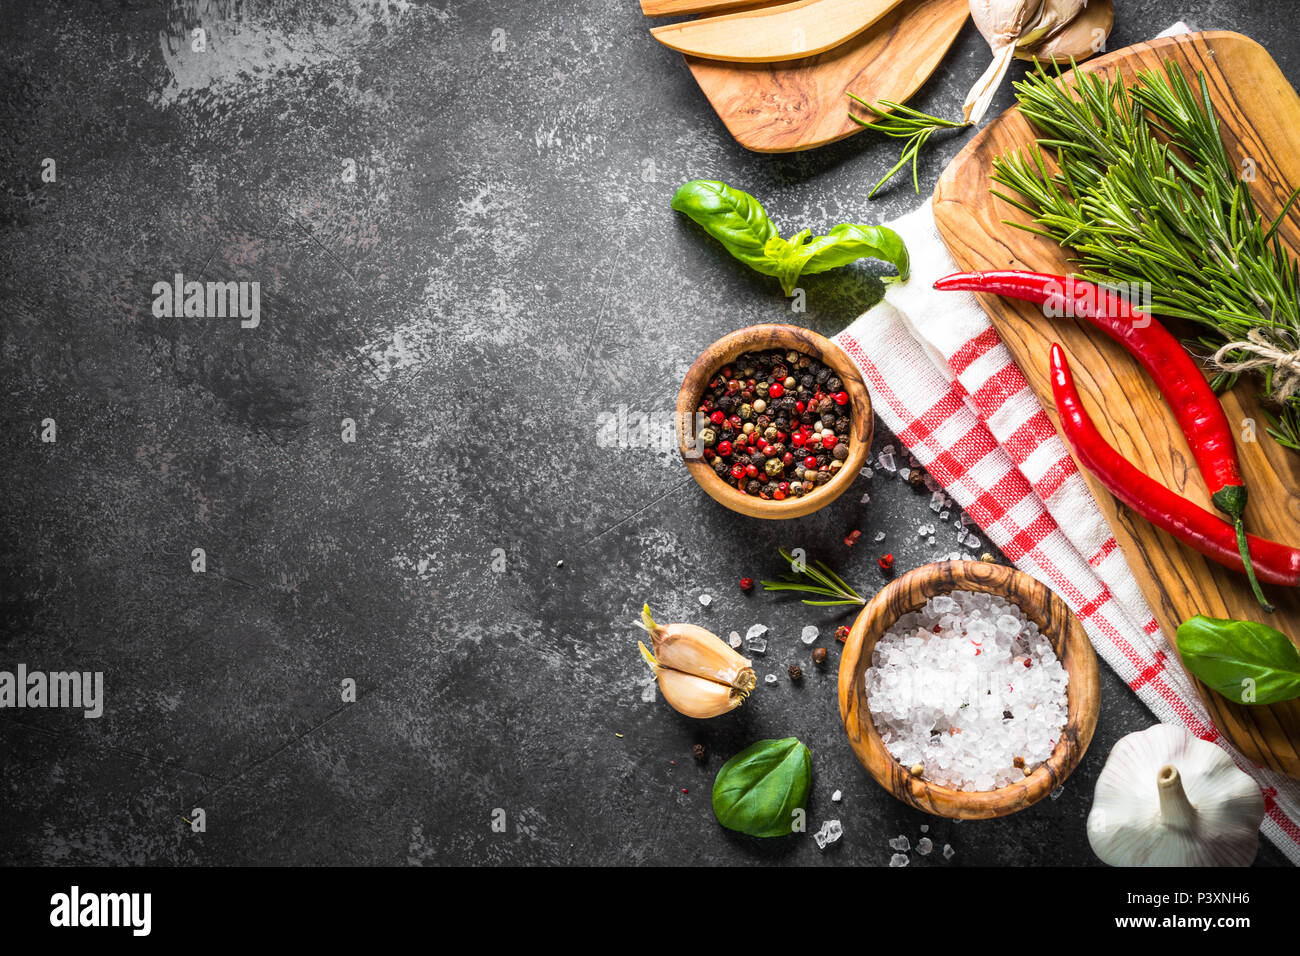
x: 778, y: 426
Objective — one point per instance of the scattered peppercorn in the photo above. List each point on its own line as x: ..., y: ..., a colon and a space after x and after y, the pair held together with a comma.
x: 842, y: 633
x: 699, y: 751
x: 851, y: 538
x: 747, y: 584
x: 986, y: 556
x: 916, y: 479
x: 886, y: 562
x: 819, y: 655
x: 1018, y: 762
x: 795, y: 672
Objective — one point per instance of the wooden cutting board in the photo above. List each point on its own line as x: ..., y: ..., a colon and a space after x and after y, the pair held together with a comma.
x: 1260, y: 113
x: 800, y: 104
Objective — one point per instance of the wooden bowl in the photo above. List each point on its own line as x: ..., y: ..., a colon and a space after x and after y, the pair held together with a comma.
x: 1057, y: 623
x: 756, y: 338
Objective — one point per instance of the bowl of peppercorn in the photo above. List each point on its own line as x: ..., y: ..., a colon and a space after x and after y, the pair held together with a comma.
x: 774, y: 421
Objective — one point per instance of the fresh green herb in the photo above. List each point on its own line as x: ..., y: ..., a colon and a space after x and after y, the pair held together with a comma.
x: 760, y: 789
x: 1242, y: 660
x: 738, y: 221
x: 1146, y: 195
x: 818, y: 579
x: 901, y: 122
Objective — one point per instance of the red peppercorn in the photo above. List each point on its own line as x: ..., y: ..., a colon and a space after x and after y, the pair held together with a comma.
x: 841, y: 398
x: 784, y: 486
x: 787, y: 459
x: 799, y: 407
x: 779, y: 495
x: 810, y: 462
x: 797, y: 439
x: 842, y: 633
x: 851, y: 538
x: 782, y: 436
x: 830, y: 441
x: 769, y: 451
x: 724, y: 449
x: 776, y: 390
x: 736, y: 421
x: 717, y: 418
x: 710, y: 454
x: 737, y: 471
x: 1029, y: 662
x: 747, y: 584
x: 886, y: 561
x: 751, y: 470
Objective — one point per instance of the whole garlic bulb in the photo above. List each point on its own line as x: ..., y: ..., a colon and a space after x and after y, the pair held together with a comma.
x: 698, y: 673
x: 1167, y: 798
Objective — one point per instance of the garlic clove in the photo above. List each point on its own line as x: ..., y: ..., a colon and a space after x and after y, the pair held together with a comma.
x: 697, y: 696
x: 699, y: 674
x: 1079, y: 39
x: 1001, y: 23
x: 1167, y: 798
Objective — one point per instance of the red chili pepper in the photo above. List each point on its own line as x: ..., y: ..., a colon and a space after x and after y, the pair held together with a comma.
x: 1176, y: 374
x: 1185, y: 520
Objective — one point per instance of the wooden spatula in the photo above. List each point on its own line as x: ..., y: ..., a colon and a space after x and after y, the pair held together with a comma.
x: 789, y: 31
x: 800, y: 104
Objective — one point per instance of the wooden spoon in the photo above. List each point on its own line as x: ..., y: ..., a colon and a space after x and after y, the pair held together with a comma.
x: 674, y: 8
x: 786, y: 32
x: 800, y: 104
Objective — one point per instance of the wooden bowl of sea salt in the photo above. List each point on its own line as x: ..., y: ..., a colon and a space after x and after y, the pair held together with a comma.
x: 932, y: 687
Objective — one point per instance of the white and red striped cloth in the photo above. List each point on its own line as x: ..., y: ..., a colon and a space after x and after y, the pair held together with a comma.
x: 945, y: 384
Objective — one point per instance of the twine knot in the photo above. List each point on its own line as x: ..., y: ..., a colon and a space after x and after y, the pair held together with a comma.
x: 1285, y: 365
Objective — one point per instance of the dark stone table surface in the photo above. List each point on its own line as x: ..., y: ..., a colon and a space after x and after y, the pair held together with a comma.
x: 458, y: 216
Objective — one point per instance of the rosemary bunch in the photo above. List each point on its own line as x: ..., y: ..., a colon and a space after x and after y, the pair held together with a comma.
x: 901, y: 122
x: 1145, y: 193
x: 816, y: 579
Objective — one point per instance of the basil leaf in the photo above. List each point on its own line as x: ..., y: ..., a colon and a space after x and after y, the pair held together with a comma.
x: 1244, y: 661
x: 737, y: 220
x: 847, y: 243
x: 759, y: 789
x: 733, y: 217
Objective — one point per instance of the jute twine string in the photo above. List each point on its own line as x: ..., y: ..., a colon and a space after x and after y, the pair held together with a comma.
x: 1286, y: 365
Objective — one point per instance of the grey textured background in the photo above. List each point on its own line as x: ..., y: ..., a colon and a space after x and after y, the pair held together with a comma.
x: 504, y: 271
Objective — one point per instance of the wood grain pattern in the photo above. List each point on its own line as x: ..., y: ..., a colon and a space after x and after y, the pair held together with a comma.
x: 790, y: 338
x: 674, y: 8
x: 790, y: 31
x: 1054, y: 620
x: 1261, y: 120
x: 801, y: 104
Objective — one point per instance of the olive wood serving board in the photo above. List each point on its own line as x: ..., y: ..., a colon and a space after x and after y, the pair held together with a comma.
x: 801, y: 104
x: 1260, y: 116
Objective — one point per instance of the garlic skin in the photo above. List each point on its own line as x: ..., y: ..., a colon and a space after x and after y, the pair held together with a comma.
x: 698, y: 673
x: 1167, y: 798
x: 1002, y: 23
x: 1082, y: 37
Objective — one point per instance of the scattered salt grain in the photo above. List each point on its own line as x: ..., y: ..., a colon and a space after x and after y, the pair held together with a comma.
x: 900, y: 843
x: 945, y: 678
x: 943, y: 516
x: 734, y: 639
x: 931, y: 483
x: 865, y: 472
x: 755, y: 642
x: 706, y: 599
x: 936, y: 502
x: 948, y: 851
x: 880, y: 536
x: 924, y: 846
x: 809, y: 634
x: 886, y: 459
x: 770, y: 678
x: 865, y: 499
x: 1057, y: 792
x: 904, y: 473
x: 835, y: 797
x: 925, y: 828
x: 898, y: 859
x: 828, y: 834
x: 648, y: 692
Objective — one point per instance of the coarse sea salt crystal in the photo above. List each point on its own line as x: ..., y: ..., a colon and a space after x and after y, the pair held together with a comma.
x: 880, y: 536
x: 900, y: 843
x: 936, y: 502
x: 835, y: 797
x: 734, y: 639
x: 809, y: 634
x: 924, y: 846
x: 948, y: 851
x: 865, y: 472
x: 830, y: 832
x: 770, y: 678
x: 899, y: 859
x: 904, y: 473
x: 755, y: 642
x: 706, y: 599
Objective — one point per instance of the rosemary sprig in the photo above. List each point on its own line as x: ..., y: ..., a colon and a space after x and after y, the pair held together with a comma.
x: 1145, y: 192
x: 819, y: 580
x: 901, y: 122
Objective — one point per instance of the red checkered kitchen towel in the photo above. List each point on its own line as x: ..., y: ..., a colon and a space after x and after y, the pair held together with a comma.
x: 944, y: 383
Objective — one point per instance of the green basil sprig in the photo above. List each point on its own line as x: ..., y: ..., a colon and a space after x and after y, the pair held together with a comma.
x: 738, y: 221
x: 759, y: 789
x: 1244, y: 661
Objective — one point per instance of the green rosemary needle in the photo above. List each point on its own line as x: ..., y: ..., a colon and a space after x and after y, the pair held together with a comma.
x: 817, y: 579
x: 901, y: 122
